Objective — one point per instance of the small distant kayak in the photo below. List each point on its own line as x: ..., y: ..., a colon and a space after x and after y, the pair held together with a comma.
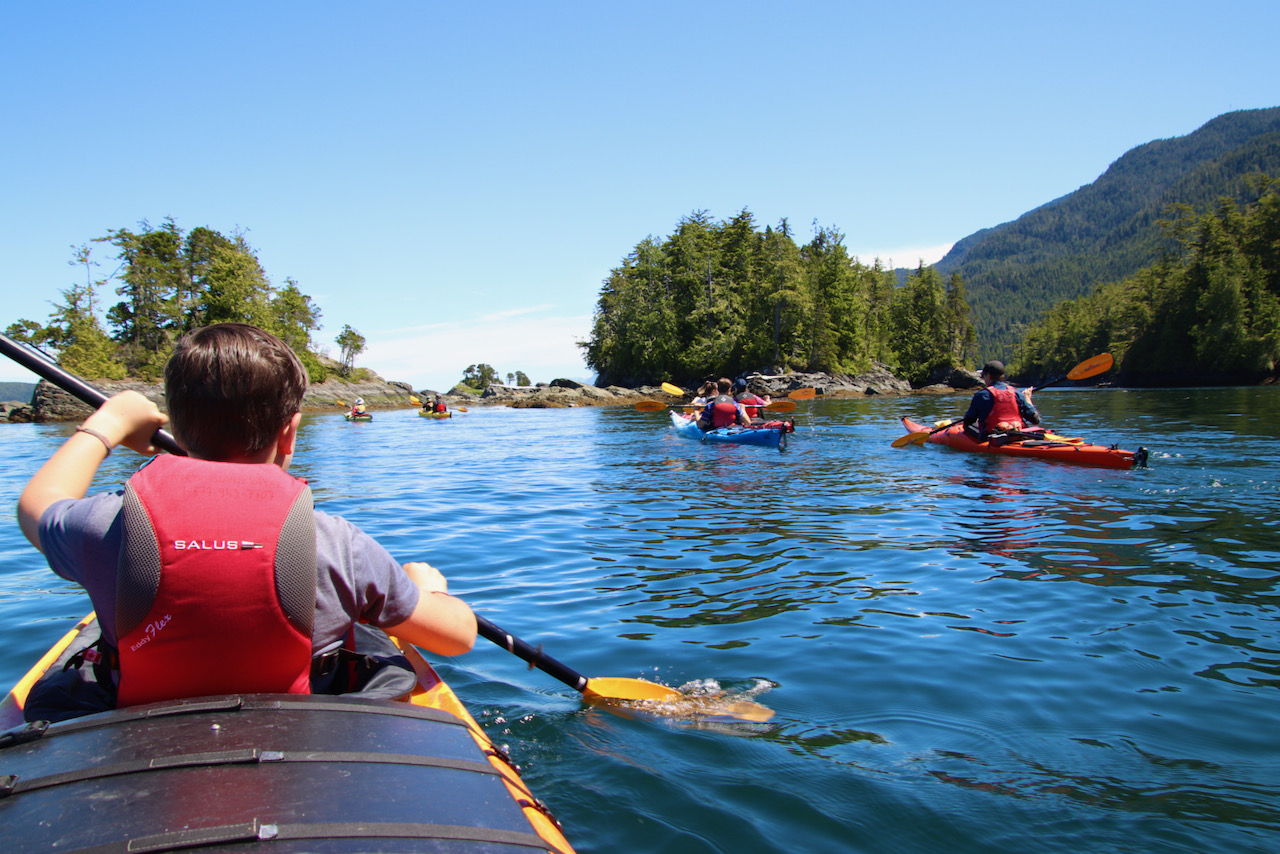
x: 771, y: 434
x: 426, y: 414
x: 1052, y: 447
x: 367, y: 416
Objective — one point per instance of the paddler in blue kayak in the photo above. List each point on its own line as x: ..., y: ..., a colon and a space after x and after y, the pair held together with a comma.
x: 751, y: 402
x: 723, y: 410
x: 177, y: 562
x: 999, y: 408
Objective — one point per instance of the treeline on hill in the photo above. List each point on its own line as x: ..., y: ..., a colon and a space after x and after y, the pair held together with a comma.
x: 1108, y: 230
x: 1208, y: 314
x: 172, y: 282
x: 721, y: 298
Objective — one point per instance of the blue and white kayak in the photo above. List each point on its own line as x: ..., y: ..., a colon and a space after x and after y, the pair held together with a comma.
x: 771, y: 434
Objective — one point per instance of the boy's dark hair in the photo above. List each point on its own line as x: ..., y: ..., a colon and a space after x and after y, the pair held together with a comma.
x: 230, y: 389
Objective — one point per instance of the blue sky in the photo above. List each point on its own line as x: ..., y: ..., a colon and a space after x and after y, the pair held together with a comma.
x: 455, y: 180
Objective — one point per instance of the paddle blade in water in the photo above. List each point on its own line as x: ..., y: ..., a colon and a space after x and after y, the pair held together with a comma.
x: 644, y: 696
x: 671, y: 388
x: 1091, y: 367
x: 622, y: 688
x: 650, y: 406
x: 802, y: 394
x: 910, y: 439
x: 781, y: 406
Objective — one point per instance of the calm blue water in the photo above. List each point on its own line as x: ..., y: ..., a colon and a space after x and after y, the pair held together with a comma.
x: 964, y: 653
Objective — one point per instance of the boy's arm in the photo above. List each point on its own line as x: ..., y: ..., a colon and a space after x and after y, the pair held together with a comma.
x: 440, y: 623
x: 127, y: 419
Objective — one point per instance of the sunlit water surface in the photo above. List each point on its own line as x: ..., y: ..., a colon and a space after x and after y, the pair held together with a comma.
x: 964, y: 653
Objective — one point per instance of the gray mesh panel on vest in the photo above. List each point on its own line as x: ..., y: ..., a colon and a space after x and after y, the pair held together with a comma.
x: 296, y: 563
x: 138, y: 574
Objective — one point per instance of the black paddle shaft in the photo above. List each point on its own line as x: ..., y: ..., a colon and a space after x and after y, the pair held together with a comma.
x: 73, y: 385
x: 535, y: 657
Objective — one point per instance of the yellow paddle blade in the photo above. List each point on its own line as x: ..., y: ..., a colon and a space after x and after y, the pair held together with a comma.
x: 339, y: 402
x: 670, y: 388
x: 414, y: 401
x: 802, y: 394
x: 1099, y: 364
x: 650, y: 406
x: 462, y: 409
x: 910, y: 439
x: 623, y: 688
x: 781, y: 405
x: 661, y: 700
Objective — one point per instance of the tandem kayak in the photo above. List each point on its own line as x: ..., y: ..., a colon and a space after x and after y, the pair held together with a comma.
x: 426, y: 414
x: 771, y: 434
x: 1052, y: 447
x: 303, y: 772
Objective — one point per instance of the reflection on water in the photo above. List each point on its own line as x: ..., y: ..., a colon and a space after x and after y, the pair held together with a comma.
x: 963, y: 653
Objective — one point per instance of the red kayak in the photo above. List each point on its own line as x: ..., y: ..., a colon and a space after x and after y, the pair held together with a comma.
x: 1051, y: 447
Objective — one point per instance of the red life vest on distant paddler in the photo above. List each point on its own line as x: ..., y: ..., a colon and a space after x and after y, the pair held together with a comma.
x: 1004, y: 414
x: 216, y: 588
x: 724, y: 411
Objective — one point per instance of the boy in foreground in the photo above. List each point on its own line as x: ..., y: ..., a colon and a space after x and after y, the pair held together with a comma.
x: 212, y: 573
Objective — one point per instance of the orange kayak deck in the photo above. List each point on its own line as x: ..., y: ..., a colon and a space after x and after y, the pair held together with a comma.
x: 1074, y: 451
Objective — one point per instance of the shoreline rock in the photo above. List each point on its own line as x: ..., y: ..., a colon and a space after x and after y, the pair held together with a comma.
x: 50, y: 403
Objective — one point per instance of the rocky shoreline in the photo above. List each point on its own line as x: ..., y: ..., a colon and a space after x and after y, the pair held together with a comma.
x: 51, y: 403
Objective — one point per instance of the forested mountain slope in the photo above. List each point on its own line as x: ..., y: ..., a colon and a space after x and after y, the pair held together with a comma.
x: 1107, y: 230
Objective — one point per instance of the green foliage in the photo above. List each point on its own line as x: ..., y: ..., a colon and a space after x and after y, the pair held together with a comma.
x: 170, y: 283
x: 1108, y: 230
x: 480, y: 376
x: 352, y: 344
x: 1211, y: 314
x: 720, y: 298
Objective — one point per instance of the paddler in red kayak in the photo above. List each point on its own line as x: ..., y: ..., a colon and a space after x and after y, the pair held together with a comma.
x: 999, y: 408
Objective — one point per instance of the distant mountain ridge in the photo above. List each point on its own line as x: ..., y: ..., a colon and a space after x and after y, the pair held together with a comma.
x: 1106, y: 230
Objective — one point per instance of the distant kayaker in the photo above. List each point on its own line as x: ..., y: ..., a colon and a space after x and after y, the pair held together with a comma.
x: 705, y: 392
x: 440, y: 405
x: 998, y: 408
x: 751, y: 402
x: 723, y: 410
x: 213, y: 573
x: 358, y: 408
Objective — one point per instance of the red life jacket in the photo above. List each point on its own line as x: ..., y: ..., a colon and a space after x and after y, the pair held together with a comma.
x: 1004, y: 414
x: 724, y: 411
x: 216, y: 588
x: 440, y: 407
x: 751, y: 404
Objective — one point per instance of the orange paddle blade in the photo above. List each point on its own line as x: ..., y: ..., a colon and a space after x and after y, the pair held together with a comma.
x: 781, y: 405
x: 802, y: 394
x: 1091, y: 367
x: 917, y: 438
x: 650, y: 406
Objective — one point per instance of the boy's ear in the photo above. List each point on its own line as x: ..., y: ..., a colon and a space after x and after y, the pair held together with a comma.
x: 288, y: 436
